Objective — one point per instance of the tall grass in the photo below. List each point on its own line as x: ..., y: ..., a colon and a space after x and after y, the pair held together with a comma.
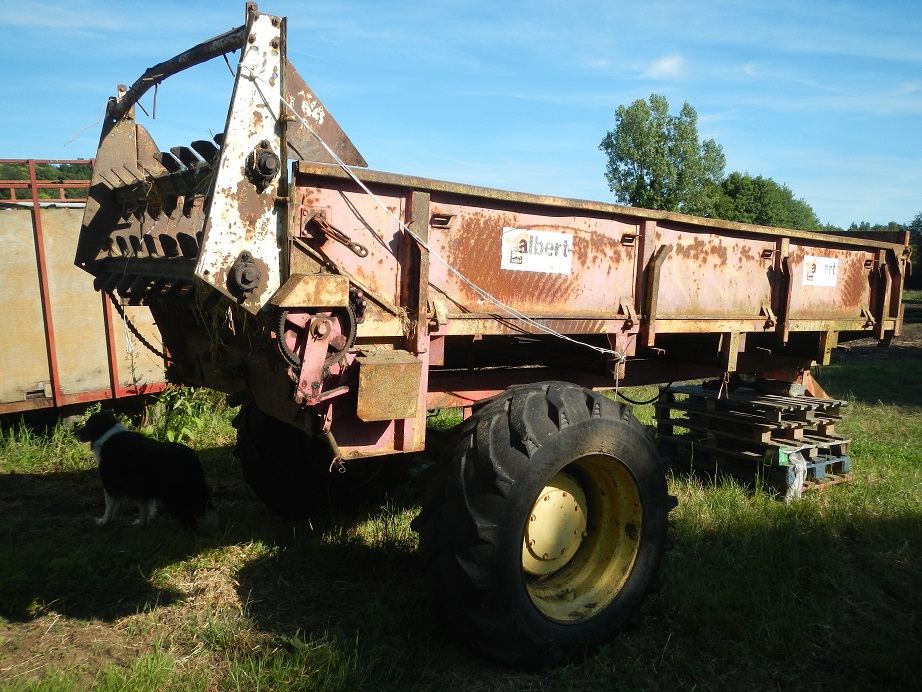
x: 179, y: 414
x: 25, y: 450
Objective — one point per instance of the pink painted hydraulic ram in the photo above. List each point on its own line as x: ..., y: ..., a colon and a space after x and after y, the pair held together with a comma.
x: 339, y: 305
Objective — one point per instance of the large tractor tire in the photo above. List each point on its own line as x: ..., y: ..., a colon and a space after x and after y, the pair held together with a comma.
x: 546, y: 530
x: 291, y: 471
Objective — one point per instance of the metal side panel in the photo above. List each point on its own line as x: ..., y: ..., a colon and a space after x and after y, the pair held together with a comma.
x: 713, y: 273
x: 23, y: 357
x: 86, y: 366
x: 829, y: 283
x: 76, y: 308
x: 561, y: 265
x: 244, y: 225
x: 138, y: 367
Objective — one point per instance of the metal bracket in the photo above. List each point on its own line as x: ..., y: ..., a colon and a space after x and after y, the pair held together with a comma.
x: 651, y: 297
x: 627, y: 308
x: 438, y: 314
x: 317, y: 224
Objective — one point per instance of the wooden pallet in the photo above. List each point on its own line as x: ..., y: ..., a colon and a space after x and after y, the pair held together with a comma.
x: 821, y: 474
x: 751, y: 436
x: 770, y: 407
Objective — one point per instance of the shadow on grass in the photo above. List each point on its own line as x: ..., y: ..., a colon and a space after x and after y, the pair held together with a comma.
x: 309, y: 587
x: 793, y: 600
x: 791, y: 597
x: 794, y: 597
x: 787, y: 599
x: 871, y: 380
x: 54, y: 557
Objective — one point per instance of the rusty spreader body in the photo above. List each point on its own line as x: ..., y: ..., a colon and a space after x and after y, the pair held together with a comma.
x: 341, y: 304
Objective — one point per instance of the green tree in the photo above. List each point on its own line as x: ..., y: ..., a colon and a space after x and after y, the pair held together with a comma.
x: 866, y: 229
x: 915, y: 226
x: 656, y: 161
x: 764, y: 202
x: 915, y: 234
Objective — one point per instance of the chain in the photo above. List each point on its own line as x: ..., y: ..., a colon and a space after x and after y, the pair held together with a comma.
x: 134, y: 330
x: 331, y: 231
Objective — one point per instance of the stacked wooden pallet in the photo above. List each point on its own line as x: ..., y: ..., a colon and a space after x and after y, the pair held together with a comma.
x: 754, y: 436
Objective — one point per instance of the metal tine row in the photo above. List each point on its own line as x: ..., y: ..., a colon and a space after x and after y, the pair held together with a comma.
x: 198, y: 154
x: 154, y: 202
x: 179, y: 244
x: 135, y: 288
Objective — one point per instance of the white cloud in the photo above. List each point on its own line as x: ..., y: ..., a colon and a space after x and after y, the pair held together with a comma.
x: 668, y: 67
x: 898, y: 101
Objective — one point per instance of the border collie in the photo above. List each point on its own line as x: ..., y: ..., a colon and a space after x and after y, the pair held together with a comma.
x: 137, y: 468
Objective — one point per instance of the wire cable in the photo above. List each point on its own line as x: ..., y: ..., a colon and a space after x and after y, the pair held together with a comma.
x: 649, y: 401
x: 134, y: 330
x: 508, y: 309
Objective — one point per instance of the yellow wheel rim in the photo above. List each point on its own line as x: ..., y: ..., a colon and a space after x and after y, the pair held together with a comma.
x: 582, y: 538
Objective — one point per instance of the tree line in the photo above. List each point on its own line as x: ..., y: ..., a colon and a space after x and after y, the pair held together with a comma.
x: 656, y: 161
x: 46, y: 171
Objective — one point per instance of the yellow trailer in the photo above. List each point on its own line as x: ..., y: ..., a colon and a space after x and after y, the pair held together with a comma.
x: 62, y: 343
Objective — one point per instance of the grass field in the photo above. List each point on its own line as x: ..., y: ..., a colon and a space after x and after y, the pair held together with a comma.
x: 823, y: 593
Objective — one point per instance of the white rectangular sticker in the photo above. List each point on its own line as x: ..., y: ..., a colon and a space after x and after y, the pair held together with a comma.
x: 549, y: 252
x: 820, y: 271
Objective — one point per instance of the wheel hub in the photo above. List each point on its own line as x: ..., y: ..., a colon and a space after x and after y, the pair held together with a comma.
x: 556, y: 526
x: 582, y: 538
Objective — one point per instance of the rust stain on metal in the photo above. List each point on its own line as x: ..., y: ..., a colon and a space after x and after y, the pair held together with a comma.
x: 696, y: 250
x: 743, y: 253
x: 251, y: 207
x: 388, y: 385
x: 604, y: 249
x: 476, y: 251
x: 721, y: 251
x: 478, y: 242
x: 855, y: 285
x: 310, y: 199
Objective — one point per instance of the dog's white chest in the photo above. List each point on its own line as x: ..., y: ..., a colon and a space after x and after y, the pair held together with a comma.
x: 99, y: 442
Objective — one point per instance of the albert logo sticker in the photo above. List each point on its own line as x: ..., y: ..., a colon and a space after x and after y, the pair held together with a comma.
x: 548, y: 252
x: 820, y: 271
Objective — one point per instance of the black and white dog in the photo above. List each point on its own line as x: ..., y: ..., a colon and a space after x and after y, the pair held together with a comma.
x: 135, y: 467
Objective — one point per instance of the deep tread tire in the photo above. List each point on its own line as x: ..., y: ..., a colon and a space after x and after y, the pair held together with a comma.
x: 290, y: 471
x: 577, y: 448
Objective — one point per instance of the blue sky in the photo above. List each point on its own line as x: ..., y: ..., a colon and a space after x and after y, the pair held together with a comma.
x: 823, y: 96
